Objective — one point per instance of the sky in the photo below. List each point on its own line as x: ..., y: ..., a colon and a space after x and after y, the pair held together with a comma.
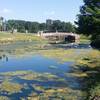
x: 40, y: 10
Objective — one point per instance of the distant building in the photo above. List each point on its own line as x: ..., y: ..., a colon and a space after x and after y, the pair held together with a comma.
x: 49, y: 22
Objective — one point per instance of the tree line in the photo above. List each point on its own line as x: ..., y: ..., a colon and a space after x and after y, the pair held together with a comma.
x: 33, y: 27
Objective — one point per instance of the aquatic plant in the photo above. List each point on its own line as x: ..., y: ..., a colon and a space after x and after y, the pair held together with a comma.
x: 88, y: 70
x: 10, y: 87
x: 4, y: 98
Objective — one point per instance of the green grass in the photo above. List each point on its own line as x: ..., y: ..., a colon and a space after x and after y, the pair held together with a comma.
x: 9, y: 38
x: 89, y: 71
x: 64, y: 55
x: 84, y: 39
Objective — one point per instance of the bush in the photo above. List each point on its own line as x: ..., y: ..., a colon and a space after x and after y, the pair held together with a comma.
x: 95, y: 93
x: 96, y: 42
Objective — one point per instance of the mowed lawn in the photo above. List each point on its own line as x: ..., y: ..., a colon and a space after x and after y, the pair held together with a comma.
x: 8, y: 37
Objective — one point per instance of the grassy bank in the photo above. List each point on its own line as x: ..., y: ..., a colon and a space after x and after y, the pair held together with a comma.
x: 6, y: 38
x: 86, y: 68
x: 64, y: 55
x: 88, y: 71
x: 84, y: 39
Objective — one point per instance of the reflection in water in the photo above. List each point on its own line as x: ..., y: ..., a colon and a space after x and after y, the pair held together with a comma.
x: 0, y: 57
x: 4, y: 57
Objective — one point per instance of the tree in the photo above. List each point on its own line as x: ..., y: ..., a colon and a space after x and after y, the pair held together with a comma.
x: 89, y: 20
x: 42, y: 26
x: 1, y: 23
x: 20, y: 26
x: 34, y: 27
x: 11, y: 25
x: 69, y: 27
x: 60, y: 26
x: 28, y: 26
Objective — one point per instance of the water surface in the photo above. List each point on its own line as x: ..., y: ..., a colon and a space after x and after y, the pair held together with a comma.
x: 36, y: 74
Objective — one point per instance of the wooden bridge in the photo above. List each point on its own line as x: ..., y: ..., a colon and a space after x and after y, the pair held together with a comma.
x: 60, y: 36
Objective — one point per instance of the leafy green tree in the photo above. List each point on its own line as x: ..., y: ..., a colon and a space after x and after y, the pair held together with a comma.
x: 11, y: 25
x: 28, y: 26
x: 42, y: 26
x: 20, y: 26
x: 69, y: 27
x: 34, y: 27
x: 62, y: 26
x: 89, y: 20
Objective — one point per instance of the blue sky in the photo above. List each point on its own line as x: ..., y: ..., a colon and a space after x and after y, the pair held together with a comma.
x: 40, y: 10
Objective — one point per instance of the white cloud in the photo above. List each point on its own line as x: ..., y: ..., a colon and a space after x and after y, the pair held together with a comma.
x: 49, y: 13
x: 5, y: 11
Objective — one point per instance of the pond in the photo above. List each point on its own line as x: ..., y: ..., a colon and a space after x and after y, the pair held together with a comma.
x: 27, y: 72
x: 36, y: 63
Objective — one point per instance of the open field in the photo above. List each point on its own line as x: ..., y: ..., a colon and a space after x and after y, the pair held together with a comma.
x: 7, y: 38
